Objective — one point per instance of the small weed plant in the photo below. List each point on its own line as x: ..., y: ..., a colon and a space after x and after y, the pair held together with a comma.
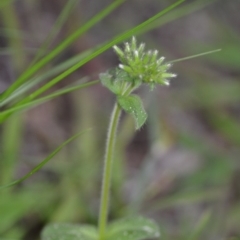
x: 137, y: 67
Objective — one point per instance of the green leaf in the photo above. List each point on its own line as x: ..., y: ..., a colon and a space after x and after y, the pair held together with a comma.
x: 66, y: 231
x: 133, y: 104
x: 134, y: 228
x: 110, y: 83
x: 115, y: 80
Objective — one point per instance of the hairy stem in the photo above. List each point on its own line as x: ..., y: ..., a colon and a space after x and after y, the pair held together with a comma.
x: 108, y: 162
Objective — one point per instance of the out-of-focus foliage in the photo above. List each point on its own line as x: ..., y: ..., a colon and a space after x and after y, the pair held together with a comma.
x: 181, y: 168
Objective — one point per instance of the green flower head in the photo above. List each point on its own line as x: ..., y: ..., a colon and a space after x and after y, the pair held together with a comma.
x: 143, y: 66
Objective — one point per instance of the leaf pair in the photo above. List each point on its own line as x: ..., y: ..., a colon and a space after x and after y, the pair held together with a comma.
x: 119, y: 82
x: 137, y: 228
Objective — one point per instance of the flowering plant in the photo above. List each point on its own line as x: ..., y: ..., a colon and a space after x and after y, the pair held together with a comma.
x: 137, y: 67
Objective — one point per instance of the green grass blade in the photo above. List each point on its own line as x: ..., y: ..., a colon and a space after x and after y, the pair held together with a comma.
x: 194, y: 56
x: 201, y: 226
x: 25, y: 76
x: 6, y: 113
x: 50, y: 73
x: 178, y: 13
x: 48, y: 158
x: 11, y: 143
x: 143, y: 27
x: 100, y: 50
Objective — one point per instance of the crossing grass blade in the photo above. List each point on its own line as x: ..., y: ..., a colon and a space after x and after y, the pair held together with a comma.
x: 143, y: 27
x: 201, y: 226
x: 45, y: 76
x: 195, y: 56
x: 69, y: 40
x: 97, y: 52
x: 34, y: 103
x: 47, y: 159
x: 178, y: 13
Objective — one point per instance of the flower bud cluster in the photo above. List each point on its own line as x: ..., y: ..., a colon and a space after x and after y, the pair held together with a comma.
x: 144, y: 66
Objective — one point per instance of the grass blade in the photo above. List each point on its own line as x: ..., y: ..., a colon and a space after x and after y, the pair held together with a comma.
x: 28, y: 73
x: 39, y: 79
x: 143, y: 27
x: 195, y: 56
x: 48, y: 158
x: 100, y: 50
x: 6, y: 113
x: 92, y: 55
x: 201, y: 226
x: 11, y: 143
x: 178, y: 13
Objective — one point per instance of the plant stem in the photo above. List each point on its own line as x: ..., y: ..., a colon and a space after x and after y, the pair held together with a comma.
x: 108, y: 162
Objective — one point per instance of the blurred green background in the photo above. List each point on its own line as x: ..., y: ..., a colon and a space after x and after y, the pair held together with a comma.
x: 181, y: 169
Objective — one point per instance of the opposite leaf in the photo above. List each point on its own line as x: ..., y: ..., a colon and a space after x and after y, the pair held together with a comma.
x: 132, y: 104
x: 115, y: 79
x: 65, y: 231
x: 134, y: 228
x: 110, y: 83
